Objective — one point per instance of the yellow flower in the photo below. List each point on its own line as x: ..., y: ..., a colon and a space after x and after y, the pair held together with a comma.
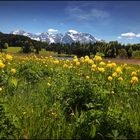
x: 56, y: 62
x: 134, y: 80
x: 77, y: 63
x: 102, y: 63
x: 90, y: 62
x: 93, y: 66
x: 24, y: 112
x: 75, y: 57
x: 125, y: 65
x: 2, y: 65
x: 48, y: 84
x: 82, y: 59
x: 119, y: 70
x: 87, y: 77
x: 70, y: 67
x: 114, y: 74
x: 111, y: 65
x: 0, y: 89
x: 134, y: 73
x: 110, y: 78
x: 13, y: 71
x: 65, y: 66
x: 9, y: 57
x: 67, y: 61
x: 120, y: 79
x: 86, y: 57
x: 75, y: 60
x: 97, y: 58
x: 92, y: 69
x: 101, y: 69
x: 86, y: 60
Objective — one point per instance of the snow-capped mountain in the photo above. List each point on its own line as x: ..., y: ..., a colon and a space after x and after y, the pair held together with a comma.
x: 69, y: 37
x: 30, y: 35
x: 74, y: 36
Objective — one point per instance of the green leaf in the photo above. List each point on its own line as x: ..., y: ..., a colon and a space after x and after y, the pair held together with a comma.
x: 93, y: 131
x: 14, y: 81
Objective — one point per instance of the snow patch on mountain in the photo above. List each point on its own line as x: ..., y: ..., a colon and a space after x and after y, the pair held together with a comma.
x: 69, y: 37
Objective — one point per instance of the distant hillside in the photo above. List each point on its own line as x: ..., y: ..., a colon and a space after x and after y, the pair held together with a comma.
x: 15, y: 40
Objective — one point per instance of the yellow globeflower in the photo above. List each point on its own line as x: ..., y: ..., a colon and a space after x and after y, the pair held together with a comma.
x: 56, y: 62
x: 92, y: 69
x: 113, y: 65
x: 48, y: 84
x: 101, y: 70
x: 90, y: 62
x: 114, y: 74
x: 0, y: 89
x: 86, y: 57
x: 75, y: 60
x: 110, y: 78
x: 97, y: 58
x: 65, y: 66
x: 13, y: 71
x: 86, y: 60
x: 87, y: 77
x: 109, y: 65
x: 134, y: 80
x: 75, y: 57
x: 120, y: 79
x: 119, y: 70
x: 82, y: 59
x: 93, y: 66
x: 70, y: 67
x: 134, y: 73
x: 2, y: 65
x: 67, y: 61
x: 9, y: 57
x: 125, y: 65
x: 77, y: 63
x: 102, y: 63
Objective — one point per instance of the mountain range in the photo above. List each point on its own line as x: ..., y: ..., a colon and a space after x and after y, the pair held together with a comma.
x: 69, y: 37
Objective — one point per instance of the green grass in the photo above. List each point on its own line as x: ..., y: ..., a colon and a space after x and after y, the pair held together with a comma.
x: 43, y: 52
x: 57, y: 99
x: 13, y: 49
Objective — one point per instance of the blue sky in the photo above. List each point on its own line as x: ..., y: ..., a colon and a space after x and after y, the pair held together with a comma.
x: 108, y: 20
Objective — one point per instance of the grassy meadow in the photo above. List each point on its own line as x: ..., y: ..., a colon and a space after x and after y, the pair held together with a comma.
x: 43, y: 52
x: 47, y: 98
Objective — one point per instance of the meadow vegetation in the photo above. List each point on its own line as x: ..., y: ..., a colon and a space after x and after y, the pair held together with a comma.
x: 47, y: 98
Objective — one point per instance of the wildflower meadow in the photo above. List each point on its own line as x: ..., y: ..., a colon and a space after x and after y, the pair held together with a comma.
x: 50, y: 98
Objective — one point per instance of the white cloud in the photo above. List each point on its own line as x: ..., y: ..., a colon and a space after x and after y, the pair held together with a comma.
x: 99, y: 13
x: 130, y: 38
x: 128, y: 35
x: 73, y: 31
x: 81, y: 14
x: 137, y: 35
x: 52, y: 30
x: 119, y: 37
